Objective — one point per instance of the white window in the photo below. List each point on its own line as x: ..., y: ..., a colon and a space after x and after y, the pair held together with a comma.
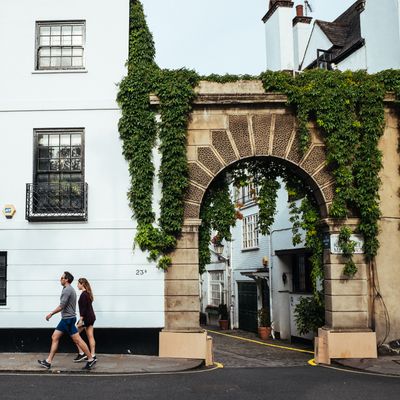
x: 216, y: 281
x: 246, y: 194
x: 250, y: 232
x: 60, y: 45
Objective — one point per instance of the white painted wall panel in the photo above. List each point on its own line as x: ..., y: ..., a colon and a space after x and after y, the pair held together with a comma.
x: 383, y: 43
x: 355, y: 61
x: 112, y: 319
x: 98, y: 272
x: 318, y: 40
x: 111, y: 287
x: 100, y: 249
x: 105, y: 53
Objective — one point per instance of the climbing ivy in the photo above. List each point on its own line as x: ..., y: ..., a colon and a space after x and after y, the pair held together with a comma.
x: 347, y: 107
x: 218, y: 214
x: 347, y: 246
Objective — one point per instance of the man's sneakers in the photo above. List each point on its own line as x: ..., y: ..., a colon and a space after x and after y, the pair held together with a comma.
x: 89, y: 365
x: 80, y: 357
x: 44, y: 364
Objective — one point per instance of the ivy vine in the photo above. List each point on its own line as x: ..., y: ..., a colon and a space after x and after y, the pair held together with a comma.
x: 347, y: 246
x: 346, y: 107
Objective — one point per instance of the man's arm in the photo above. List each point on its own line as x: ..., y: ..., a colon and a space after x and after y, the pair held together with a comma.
x: 55, y: 311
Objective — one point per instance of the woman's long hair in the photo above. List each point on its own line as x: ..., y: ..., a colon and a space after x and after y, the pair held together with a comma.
x: 85, y: 283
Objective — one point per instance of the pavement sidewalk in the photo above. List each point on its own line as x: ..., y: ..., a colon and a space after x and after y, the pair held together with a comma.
x: 107, y: 364
x: 386, y: 365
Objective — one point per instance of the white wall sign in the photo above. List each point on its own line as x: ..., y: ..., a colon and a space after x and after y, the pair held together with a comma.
x: 359, y: 239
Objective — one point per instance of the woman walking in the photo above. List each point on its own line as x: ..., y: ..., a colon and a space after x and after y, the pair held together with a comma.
x: 87, y: 318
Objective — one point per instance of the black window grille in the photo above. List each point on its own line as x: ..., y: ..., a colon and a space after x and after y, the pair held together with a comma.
x: 3, y: 278
x: 58, y: 191
x: 60, y: 45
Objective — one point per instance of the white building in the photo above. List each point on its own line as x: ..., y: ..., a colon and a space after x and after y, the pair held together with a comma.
x: 366, y: 36
x: 61, y: 167
x: 258, y: 271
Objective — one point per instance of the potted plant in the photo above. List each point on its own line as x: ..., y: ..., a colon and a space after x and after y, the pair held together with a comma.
x: 264, y: 323
x: 223, y: 317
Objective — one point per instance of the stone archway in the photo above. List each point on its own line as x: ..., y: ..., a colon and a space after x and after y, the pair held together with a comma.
x: 235, y: 121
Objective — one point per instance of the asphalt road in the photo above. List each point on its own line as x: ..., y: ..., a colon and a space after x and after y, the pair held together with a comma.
x: 251, y: 371
x: 284, y: 383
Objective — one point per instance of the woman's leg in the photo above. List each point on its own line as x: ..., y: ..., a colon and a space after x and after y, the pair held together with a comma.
x: 90, y: 336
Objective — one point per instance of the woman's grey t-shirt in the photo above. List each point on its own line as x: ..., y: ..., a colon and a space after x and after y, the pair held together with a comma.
x: 68, y: 302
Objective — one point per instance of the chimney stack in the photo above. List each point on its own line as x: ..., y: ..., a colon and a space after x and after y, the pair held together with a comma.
x: 301, y: 34
x: 279, y: 35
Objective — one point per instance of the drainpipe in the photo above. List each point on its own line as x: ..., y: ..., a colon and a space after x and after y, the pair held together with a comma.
x: 271, y: 308
x: 231, y: 288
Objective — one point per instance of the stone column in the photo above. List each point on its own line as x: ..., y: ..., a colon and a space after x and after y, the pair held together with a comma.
x: 182, y: 302
x: 182, y: 336
x: 347, y: 332
x: 346, y: 299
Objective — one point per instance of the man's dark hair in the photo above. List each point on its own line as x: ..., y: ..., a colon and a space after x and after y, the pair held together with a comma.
x: 68, y: 276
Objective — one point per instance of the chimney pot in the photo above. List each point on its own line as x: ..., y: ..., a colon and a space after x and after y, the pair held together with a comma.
x: 299, y: 10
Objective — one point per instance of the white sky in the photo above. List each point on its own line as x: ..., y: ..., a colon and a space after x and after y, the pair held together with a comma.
x: 218, y: 36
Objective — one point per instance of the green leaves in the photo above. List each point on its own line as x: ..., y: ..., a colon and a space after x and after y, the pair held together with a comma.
x: 346, y: 106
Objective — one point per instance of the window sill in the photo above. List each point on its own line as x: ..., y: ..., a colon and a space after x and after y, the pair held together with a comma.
x: 4, y: 307
x: 250, y: 249
x: 60, y: 71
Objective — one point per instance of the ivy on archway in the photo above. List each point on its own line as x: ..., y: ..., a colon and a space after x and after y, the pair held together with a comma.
x: 347, y: 107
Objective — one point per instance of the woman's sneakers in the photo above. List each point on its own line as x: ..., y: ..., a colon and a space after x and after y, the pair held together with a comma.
x: 44, y: 364
x: 80, y: 357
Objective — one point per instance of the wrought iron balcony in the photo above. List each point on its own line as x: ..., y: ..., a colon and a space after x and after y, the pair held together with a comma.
x: 66, y: 201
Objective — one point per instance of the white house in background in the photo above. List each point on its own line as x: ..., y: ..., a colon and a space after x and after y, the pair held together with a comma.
x: 259, y: 270
x: 366, y: 36
x: 61, y: 167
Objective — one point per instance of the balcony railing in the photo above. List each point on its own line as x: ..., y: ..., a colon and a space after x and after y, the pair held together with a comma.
x: 65, y: 201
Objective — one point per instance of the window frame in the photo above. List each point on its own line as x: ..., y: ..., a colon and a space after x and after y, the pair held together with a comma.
x: 61, y: 68
x: 301, y: 280
x: 219, y: 282
x: 48, y: 131
x: 249, y: 242
x: 4, y: 302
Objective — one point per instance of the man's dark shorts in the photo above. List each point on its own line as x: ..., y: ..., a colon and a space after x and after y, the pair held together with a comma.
x: 67, y: 326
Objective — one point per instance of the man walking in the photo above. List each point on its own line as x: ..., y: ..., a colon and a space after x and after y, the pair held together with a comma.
x: 67, y: 324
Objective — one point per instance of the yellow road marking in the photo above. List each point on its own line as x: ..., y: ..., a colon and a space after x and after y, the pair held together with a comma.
x: 262, y: 343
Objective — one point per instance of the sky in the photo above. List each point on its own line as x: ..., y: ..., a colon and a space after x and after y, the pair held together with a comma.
x: 218, y: 36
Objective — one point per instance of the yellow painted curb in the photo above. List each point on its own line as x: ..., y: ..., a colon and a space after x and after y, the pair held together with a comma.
x: 218, y: 365
x: 262, y: 343
x: 312, y: 362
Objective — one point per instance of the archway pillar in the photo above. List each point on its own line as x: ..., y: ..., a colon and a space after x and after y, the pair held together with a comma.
x: 347, y: 332
x: 182, y: 336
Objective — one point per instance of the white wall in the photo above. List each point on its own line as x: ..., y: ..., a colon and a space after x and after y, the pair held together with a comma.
x: 318, y: 40
x: 101, y: 248
x: 105, y: 54
x: 279, y: 40
x: 380, y: 28
x: 301, y: 35
x: 355, y: 61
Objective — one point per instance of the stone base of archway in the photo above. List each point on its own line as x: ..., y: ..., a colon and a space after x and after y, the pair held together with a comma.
x: 194, y: 344
x: 344, y: 343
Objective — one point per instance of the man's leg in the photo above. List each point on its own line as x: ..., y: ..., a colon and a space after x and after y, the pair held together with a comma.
x: 79, y: 342
x: 80, y: 351
x: 55, y: 340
